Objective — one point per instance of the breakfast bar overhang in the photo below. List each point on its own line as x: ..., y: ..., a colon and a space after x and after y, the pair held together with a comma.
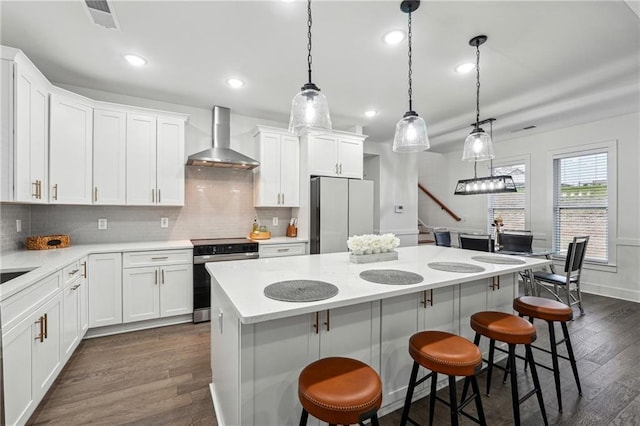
x: 260, y: 345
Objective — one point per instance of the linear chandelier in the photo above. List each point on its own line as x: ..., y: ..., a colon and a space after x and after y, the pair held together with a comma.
x: 485, y: 185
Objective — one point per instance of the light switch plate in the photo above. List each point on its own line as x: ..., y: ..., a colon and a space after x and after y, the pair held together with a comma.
x: 18, y: 225
x: 102, y: 223
x: 164, y: 222
x: 275, y: 221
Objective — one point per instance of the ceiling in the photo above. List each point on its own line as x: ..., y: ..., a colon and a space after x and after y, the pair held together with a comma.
x: 546, y: 63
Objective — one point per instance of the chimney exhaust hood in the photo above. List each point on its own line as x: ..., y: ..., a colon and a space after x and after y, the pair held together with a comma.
x: 221, y: 154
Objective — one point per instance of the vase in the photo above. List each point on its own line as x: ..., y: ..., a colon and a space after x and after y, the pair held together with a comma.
x: 373, y: 257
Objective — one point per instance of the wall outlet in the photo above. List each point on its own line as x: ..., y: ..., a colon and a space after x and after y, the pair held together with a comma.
x: 275, y: 221
x: 164, y: 222
x: 398, y: 208
x: 102, y: 223
x: 18, y: 225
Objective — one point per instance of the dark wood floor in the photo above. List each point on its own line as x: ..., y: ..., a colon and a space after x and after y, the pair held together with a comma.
x: 161, y: 376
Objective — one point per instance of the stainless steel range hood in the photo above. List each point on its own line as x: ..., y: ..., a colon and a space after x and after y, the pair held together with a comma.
x: 221, y: 154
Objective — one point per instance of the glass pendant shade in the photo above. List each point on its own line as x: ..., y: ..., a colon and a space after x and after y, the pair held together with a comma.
x: 309, y: 108
x: 478, y: 146
x: 411, y: 134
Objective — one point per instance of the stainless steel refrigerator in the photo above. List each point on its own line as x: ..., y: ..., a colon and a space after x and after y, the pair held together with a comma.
x: 340, y: 208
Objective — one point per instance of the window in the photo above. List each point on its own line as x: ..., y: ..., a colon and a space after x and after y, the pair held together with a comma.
x: 581, y: 202
x: 509, y: 206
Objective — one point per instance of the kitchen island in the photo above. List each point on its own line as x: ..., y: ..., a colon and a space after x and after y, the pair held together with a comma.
x: 260, y: 345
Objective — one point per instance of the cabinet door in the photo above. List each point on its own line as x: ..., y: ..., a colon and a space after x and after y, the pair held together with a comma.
x: 170, y: 162
x: 399, y: 323
x: 7, y: 101
x: 70, y: 151
x: 17, y: 346
x: 47, y: 359
x: 323, y: 155
x: 70, y: 318
x: 267, y: 176
x: 31, y: 135
x: 473, y: 298
x: 352, y: 331
x: 141, y: 160
x: 84, y: 297
x: 105, y: 289
x: 501, y: 293
x: 109, y: 157
x: 140, y: 294
x: 176, y: 290
x: 350, y: 158
x: 290, y: 171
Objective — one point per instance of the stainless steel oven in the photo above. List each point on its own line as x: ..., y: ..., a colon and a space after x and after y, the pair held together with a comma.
x: 214, y: 250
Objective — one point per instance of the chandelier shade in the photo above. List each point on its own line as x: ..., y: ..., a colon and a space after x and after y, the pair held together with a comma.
x: 478, y: 146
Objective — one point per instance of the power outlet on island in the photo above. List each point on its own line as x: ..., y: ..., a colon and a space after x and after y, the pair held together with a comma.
x: 164, y: 222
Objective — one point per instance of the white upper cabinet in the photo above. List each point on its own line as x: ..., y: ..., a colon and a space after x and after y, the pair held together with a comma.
x: 336, y: 154
x: 155, y: 160
x: 109, y: 157
x: 170, y: 162
x: 277, y: 180
x: 25, y: 121
x: 70, y: 150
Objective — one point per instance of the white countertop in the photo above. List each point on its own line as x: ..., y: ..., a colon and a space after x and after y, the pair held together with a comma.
x: 244, y: 281
x: 46, y: 262
x: 281, y: 240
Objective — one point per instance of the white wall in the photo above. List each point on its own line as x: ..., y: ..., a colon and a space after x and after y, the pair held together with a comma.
x: 398, y: 178
x: 440, y: 172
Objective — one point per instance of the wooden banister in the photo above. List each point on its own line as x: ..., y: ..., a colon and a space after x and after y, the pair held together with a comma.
x: 440, y: 203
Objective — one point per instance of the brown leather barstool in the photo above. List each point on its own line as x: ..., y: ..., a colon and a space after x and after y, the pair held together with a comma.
x: 448, y: 354
x: 513, y: 331
x: 339, y: 391
x: 551, y: 311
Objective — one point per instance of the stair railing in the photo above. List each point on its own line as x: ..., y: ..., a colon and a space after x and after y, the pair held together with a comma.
x: 440, y: 203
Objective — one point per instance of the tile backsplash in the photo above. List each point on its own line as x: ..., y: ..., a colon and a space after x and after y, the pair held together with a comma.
x: 218, y: 204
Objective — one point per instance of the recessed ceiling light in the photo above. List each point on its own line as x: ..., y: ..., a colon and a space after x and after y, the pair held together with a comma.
x: 393, y: 37
x: 465, y: 68
x: 235, y: 83
x: 371, y: 113
x: 135, y: 60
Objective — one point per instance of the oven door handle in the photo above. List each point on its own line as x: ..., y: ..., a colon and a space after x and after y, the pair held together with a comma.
x: 197, y: 260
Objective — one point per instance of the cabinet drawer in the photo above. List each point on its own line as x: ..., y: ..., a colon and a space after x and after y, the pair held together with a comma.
x: 70, y: 272
x: 276, y: 250
x: 156, y: 257
x: 23, y: 303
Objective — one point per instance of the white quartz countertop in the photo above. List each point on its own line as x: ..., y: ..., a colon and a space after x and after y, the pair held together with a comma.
x: 46, y: 262
x: 244, y: 281
x: 281, y: 240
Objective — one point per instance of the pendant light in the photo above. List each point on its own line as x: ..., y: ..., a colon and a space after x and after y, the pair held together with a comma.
x: 309, y: 107
x: 478, y: 145
x: 485, y: 185
x: 411, y: 130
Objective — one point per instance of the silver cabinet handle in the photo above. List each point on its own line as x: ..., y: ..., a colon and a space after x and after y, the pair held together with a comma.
x: 155, y: 277
x: 55, y: 191
x: 95, y: 194
x: 340, y: 168
x: 162, y: 272
x: 160, y: 258
x: 337, y: 169
x: 159, y: 198
x: 75, y: 287
x: 75, y: 271
x: 220, y: 320
x: 35, y: 189
x: 84, y: 269
x: 283, y: 198
x: 153, y: 195
x: 283, y: 249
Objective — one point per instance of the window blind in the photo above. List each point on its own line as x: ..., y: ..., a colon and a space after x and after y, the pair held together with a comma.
x: 581, y: 203
x: 510, y: 206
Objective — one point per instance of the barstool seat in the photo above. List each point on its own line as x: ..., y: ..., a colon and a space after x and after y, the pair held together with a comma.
x: 340, y: 391
x: 551, y: 311
x: 503, y: 327
x: 444, y: 353
x: 545, y: 309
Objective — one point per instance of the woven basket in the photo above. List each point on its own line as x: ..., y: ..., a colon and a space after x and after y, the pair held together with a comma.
x: 45, y: 242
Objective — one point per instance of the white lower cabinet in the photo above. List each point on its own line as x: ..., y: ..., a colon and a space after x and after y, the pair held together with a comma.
x: 104, y: 273
x: 281, y: 249
x: 150, y: 292
x: 31, y: 360
x: 71, y: 318
x: 84, y: 296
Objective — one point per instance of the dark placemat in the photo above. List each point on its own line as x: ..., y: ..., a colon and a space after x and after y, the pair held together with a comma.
x: 500, y: 260
x: 391, y: 276
x: 300, y: 290
x: 466, y: 268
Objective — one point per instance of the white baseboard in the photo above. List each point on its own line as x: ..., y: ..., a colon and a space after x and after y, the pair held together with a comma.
x: 136, y: 326
x: 608, y: 291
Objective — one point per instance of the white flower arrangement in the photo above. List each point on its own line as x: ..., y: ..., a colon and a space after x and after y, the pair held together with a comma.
x: 370, y: 243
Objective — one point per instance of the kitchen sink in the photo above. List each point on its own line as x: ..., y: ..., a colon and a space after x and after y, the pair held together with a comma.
x: 9, y: 275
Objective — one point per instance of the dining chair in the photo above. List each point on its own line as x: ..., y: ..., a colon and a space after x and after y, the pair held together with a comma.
x: 572, y: 273
x: 442, y: 237
x: 478, y: 242
x: 516, y: 242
